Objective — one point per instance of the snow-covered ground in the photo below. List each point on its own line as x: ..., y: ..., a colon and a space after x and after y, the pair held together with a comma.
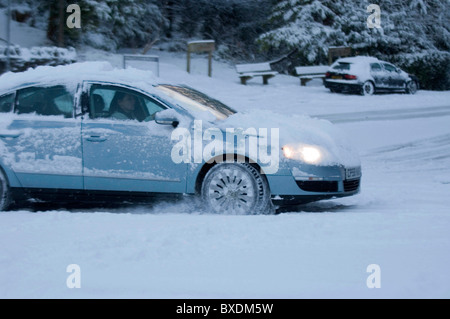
x: 400, y: 220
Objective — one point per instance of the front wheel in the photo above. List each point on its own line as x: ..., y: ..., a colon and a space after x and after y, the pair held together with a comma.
x: 5, y: 196
x: 411, y: 87
x: 236, y: 188
x: 367, y: 88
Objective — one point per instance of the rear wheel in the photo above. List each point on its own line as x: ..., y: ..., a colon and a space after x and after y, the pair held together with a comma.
x: 5, y: 195
x: 367, y: 88
x: 236, y: 188
x: 411, y: 87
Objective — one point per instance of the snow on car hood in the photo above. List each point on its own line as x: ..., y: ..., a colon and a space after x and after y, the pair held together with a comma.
x: 301, y: 130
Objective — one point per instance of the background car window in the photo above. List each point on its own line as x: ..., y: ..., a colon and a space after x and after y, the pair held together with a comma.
x: 6, y: 103
x: 342, y: 66
x: 389, y: 67
x: 375, y: 67
x: 104, y: 104
x: 45, y: 101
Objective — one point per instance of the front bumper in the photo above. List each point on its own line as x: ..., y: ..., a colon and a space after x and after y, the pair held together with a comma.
x: 313, y: 183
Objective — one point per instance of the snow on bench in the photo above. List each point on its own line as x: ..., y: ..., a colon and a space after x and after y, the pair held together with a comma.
x: 248, y: 71
x: 307, y: 73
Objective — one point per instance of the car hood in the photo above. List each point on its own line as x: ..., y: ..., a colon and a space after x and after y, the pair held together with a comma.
x: 298, y: 130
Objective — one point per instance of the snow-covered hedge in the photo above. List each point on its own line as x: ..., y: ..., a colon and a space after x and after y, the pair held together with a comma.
x: 23, y: 58
x: 431, y: 67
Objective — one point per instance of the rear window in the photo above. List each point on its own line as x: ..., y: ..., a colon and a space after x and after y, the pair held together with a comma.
x: 342, y: 66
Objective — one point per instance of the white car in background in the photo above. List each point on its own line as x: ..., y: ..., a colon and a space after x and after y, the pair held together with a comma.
x: 368, y: 75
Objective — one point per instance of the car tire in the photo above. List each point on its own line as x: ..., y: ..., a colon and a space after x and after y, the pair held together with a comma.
x: 5, y: 194
x: 411, y: 87
x: 236, y: 188
x: 367, y: 88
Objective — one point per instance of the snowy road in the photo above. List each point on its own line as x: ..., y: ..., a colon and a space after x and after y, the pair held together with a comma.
x: 400, y: 221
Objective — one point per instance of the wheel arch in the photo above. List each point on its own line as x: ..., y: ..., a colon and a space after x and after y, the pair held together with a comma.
x: 206, y: 167
x: 10, y: 176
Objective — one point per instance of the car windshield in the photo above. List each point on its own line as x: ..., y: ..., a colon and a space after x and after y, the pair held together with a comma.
x: 342, y: 66
x: 195, y: 101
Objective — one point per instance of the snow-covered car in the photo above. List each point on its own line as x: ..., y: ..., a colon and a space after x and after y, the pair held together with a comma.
x: 65, y: 135
x: 368, y: 75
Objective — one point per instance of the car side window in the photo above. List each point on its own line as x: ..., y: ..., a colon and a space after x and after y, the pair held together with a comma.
x: 54, y: 100
x: 6, y: 103
x: 153, y: 107
x: 375, y: 67
x: 121, y: 104
x: 389, y: 67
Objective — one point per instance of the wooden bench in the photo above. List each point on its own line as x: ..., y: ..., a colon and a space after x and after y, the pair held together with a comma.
x: 307, y: 73
x: 248, y: 71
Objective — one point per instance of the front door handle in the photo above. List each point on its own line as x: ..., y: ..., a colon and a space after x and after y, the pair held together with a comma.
x: 96, y: 138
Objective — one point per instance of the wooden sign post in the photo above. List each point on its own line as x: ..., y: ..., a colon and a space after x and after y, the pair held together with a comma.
x: 334, y: 52
x: 201, y: 46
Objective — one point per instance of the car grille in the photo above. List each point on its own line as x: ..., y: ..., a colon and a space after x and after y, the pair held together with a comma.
x: 351, y: 185
x: 318, y: 186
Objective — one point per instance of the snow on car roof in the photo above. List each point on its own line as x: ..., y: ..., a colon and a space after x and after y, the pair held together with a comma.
x: 71, y: 75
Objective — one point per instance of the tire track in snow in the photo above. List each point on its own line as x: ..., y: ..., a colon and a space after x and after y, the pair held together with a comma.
x: 428, y: 156
x: 383, y: 115
x: 435, y: 149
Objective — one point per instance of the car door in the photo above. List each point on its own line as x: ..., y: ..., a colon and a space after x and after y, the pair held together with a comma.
x: 42, y: 139
x: 379, y: 75
x: 394, y: 79
x: 123, y: 153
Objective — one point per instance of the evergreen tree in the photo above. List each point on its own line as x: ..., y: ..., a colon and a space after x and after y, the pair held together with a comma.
x: 414, y: 32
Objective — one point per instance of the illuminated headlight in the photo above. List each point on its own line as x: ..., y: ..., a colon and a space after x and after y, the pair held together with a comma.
x: 308, y: 154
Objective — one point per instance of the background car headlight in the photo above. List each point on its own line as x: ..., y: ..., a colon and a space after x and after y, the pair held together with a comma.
x: 308, y: 154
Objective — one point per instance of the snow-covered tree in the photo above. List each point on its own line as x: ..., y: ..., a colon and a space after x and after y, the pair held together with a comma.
x: 233, y: 24
x: 409, y: 30
x: 109, y: 24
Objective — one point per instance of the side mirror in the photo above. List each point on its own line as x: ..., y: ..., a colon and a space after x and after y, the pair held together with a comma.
x: 166, y: 119
x: 398, y: 70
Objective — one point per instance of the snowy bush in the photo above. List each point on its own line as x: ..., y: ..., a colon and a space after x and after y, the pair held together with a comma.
x: 22, y: 58
x: 431, y: 67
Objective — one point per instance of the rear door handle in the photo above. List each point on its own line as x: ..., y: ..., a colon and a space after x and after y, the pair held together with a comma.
x: 10, y: 134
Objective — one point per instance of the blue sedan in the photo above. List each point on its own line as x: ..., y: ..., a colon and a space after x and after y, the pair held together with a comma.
x: 94, y: 139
